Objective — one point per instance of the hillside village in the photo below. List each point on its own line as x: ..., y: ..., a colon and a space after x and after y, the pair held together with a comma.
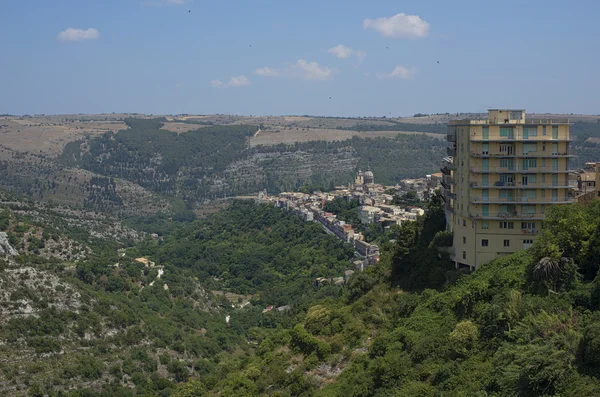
x: 375, y: 208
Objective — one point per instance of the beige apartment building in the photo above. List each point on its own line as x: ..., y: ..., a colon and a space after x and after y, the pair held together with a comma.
x: 500, y: 177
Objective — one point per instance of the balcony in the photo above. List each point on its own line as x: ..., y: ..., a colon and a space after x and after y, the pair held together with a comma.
x: 522, y: 155
x: 448, y: 179
x: 519, y: 185
x: 519, y: 169
x: 504, y: 215
x: 451, y: 137
x: 451, y: 151
x: 521, y: 200
x: 515, y: 138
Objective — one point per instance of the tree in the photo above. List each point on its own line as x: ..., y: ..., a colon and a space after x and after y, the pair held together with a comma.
x: 464, y: 336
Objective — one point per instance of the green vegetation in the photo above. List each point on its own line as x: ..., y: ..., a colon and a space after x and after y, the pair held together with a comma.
x: 257, y: 250
x: 392, y: 125
x: 216, y: 161
x: 527, y: 324
x: 345, y: 210
x: 408, y: 199
x: 523, y: 325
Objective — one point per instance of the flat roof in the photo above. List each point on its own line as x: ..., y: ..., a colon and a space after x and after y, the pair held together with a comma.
x: 506, y: 110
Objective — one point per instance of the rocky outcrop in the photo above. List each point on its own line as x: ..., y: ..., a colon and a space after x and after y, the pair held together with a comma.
x: 5, y: 247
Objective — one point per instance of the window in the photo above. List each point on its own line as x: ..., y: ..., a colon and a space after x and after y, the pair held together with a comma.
x: 527, y: 244
x: 485, y: 180
x: 484, y: 243
x: 528, y: 209
x: 507, y: 225
x: 508, y: 149
x: 527, y: 194
x: 486, y: 132
x: 464, y: 240
x: 529, y: 131
x: 485, y: 225
x: 507, y: 163
x: 485, y: 149
x: 543, y: 144
x: 529, y: 147
x: 527, y: 225
x: 464, y: 223
x: 507, y: 243
x: 529, y: 163
x: 544, y: 130
x: 543, y: 208
x: 516, y: 115
x: 465, y: 255
x: 554, y: 132
x: 506, y: 132
x: 506, y: 194
x: 528, y: 179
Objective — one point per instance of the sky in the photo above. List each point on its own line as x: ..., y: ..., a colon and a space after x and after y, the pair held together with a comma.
x: 325, y: 58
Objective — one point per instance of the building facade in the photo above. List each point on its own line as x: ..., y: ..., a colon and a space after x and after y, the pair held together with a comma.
x: 501, y: 175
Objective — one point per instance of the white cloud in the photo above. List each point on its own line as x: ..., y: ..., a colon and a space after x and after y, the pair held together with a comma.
x: 311, y: 70
x: 361, y: 55
x: 235, y: 81
x: 399, y: 26
x: 341, y: 51
x: 266, y: 72
x: 400, y: 72
x: 72, y: 34
x: 239, y: 81
x: 161, y: 3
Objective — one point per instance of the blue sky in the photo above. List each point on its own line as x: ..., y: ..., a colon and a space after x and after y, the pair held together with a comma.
x: 264, y: 57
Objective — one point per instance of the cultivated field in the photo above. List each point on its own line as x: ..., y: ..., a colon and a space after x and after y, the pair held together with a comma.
x: 49, y: 134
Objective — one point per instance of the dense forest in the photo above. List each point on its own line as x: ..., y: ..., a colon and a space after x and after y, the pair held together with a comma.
x: 524, y: 325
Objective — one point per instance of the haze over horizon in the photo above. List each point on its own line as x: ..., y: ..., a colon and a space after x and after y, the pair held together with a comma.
x: 270, y: 58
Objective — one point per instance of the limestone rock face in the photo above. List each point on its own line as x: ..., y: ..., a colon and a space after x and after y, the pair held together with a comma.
x: 5, y: 247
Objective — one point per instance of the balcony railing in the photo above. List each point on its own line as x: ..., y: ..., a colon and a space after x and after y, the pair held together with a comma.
x: 448, y: 179
x: 526, y: 155
x: 505, y: 215
x: 518, y: 138
x: 520, y: 185
x: 522, y: 200
x: 519, y: 169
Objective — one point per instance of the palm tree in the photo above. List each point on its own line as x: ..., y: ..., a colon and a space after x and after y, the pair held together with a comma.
x: 547, y: 269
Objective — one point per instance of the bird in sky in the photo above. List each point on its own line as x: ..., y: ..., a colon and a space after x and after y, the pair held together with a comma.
x: 189, y: 11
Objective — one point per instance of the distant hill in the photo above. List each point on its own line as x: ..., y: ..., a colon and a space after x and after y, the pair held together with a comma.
x: 217, y: 161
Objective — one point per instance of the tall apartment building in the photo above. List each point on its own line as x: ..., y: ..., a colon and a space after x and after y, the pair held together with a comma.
x: 501, y: 176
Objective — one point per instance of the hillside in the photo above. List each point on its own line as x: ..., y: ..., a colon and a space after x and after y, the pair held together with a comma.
x: 131, y: 164
x: 216, y: 161
x: 145, y: 314
x: 524, y: 325
x: 226, y: 306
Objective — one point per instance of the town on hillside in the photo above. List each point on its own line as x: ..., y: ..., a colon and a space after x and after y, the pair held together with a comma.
x: 376, y: 207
